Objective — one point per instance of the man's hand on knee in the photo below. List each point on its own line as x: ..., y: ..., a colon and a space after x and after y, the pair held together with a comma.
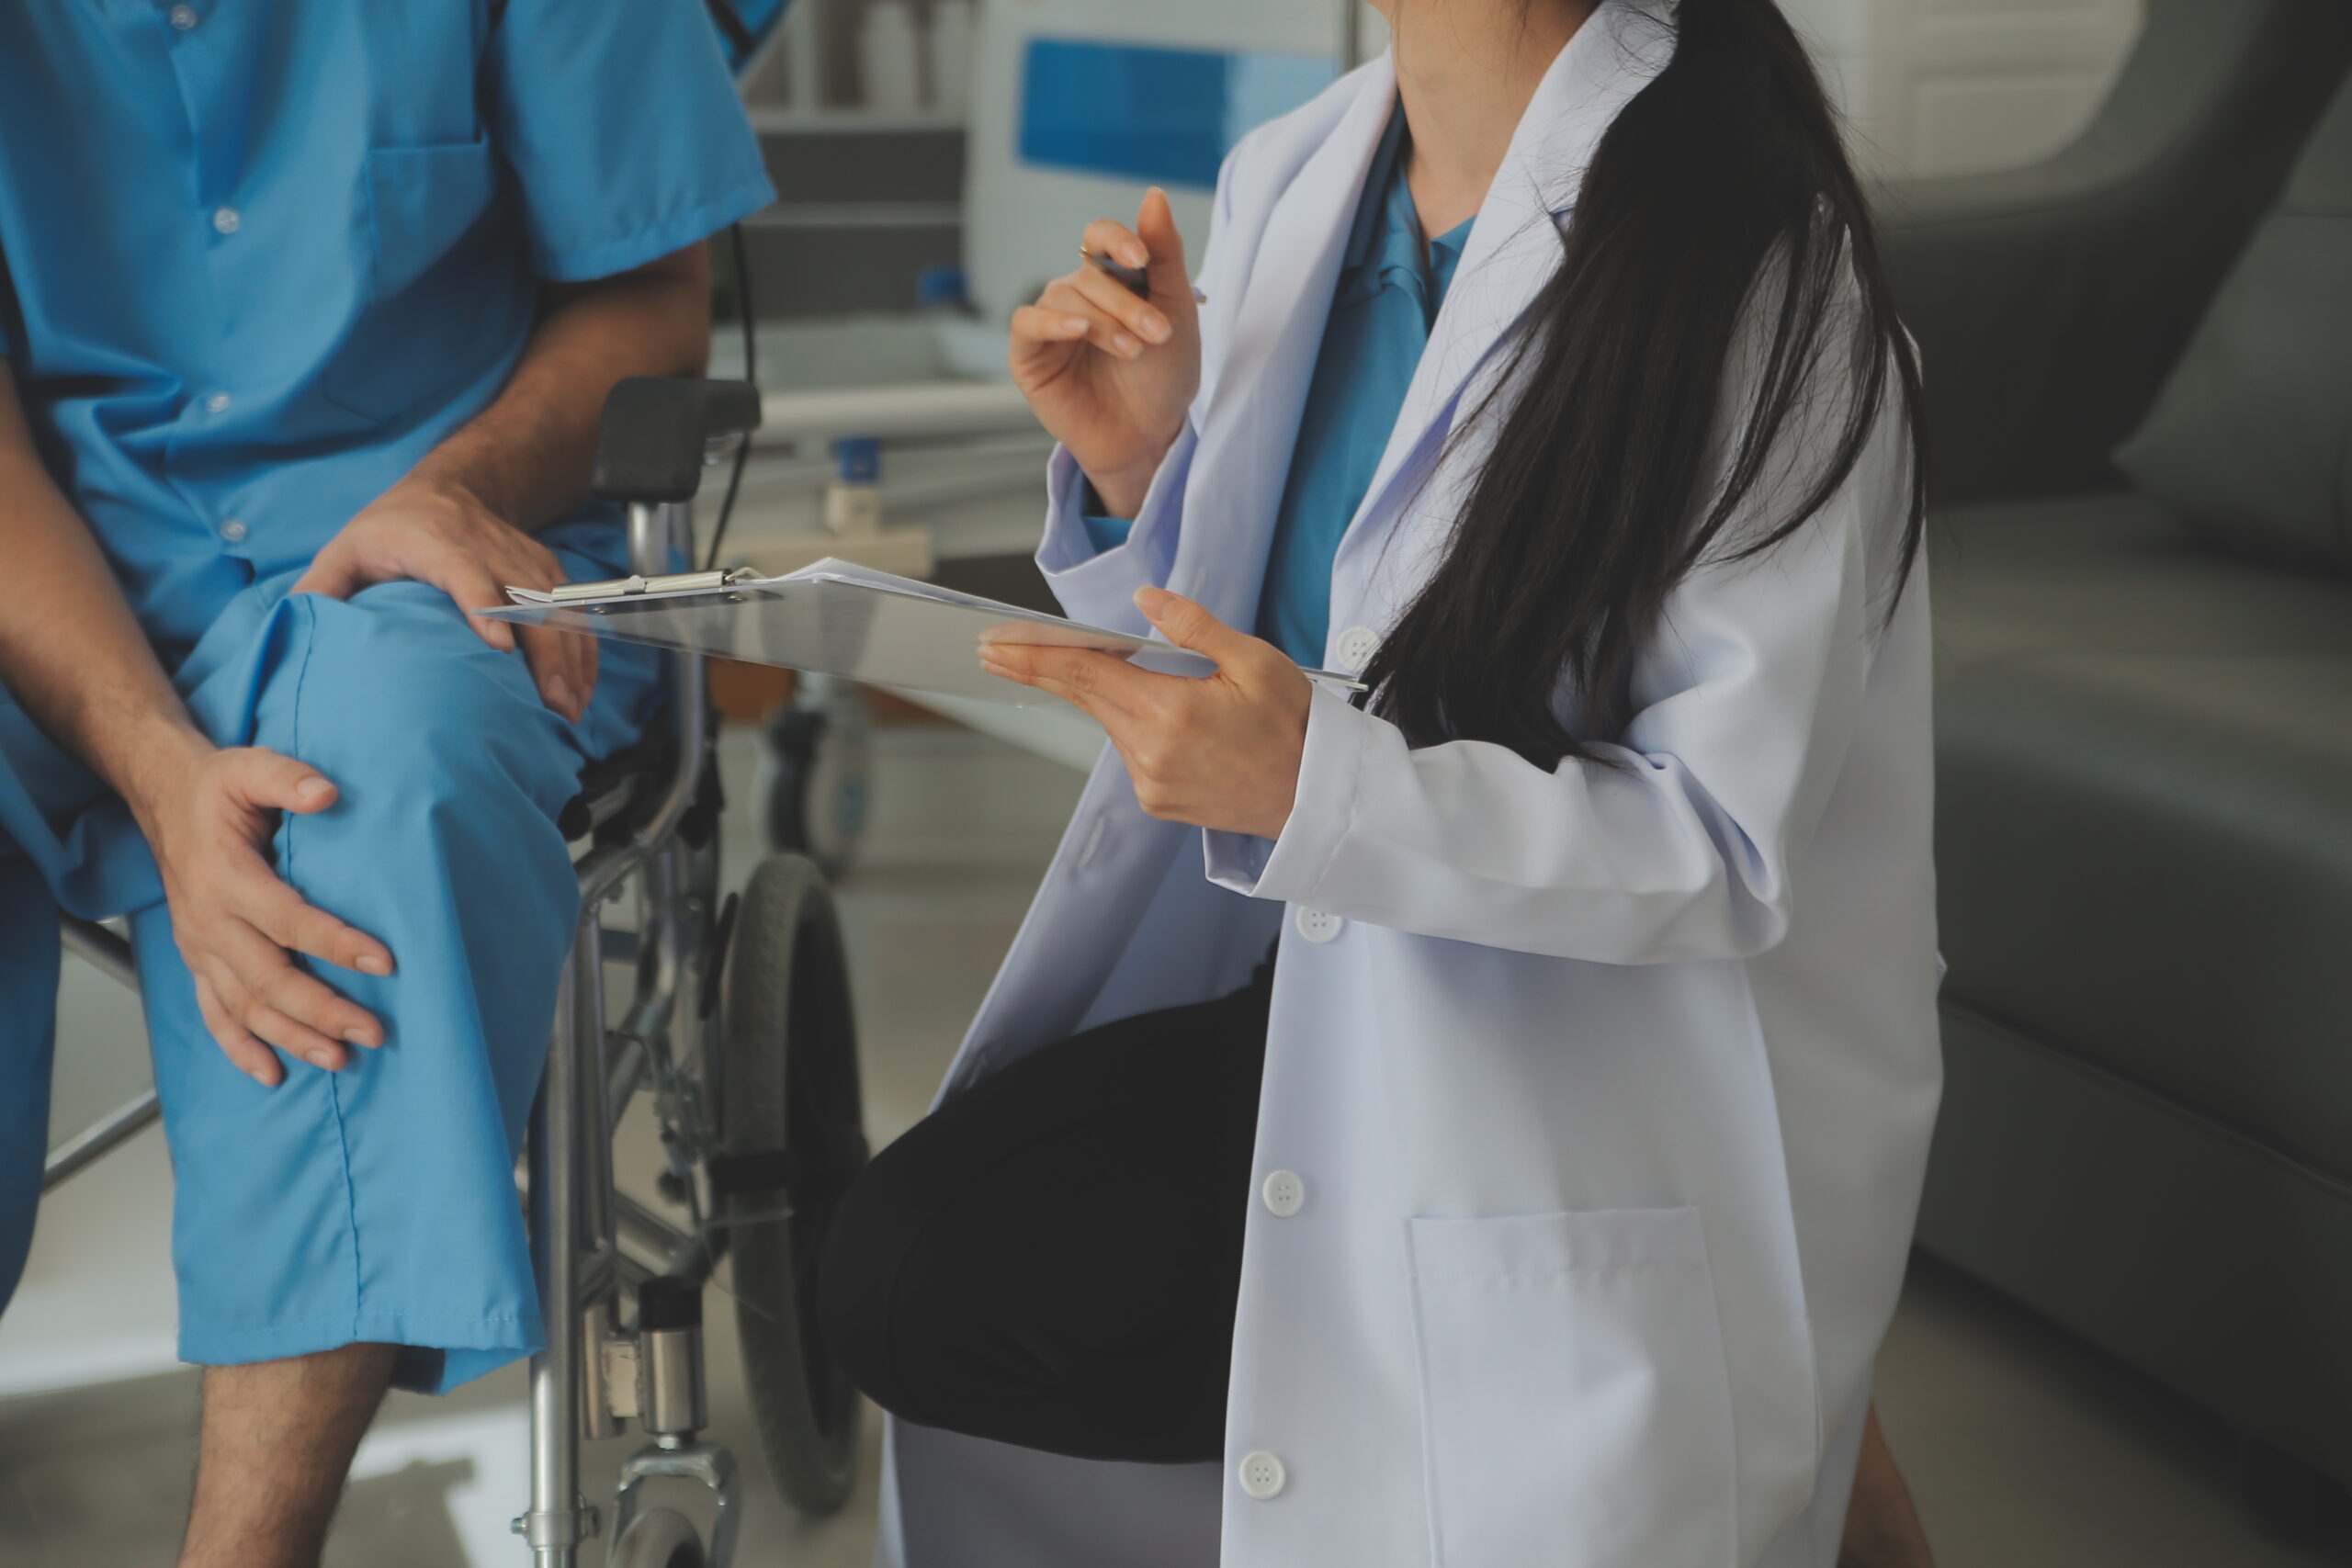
x: 441, y: 535
x: 206, y: 816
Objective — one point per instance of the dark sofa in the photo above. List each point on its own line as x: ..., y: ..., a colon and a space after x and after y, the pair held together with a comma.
x: 2139, y: 361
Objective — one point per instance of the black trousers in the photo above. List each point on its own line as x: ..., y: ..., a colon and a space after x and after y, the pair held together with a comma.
x: 1053, y: 1257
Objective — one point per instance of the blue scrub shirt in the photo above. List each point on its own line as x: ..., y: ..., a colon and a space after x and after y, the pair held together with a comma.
x: 267, y: 254
x: 1382, y: 309
x: 256, y: 258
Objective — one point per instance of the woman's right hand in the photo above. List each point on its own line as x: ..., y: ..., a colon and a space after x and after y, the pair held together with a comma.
x: 1111, y: 375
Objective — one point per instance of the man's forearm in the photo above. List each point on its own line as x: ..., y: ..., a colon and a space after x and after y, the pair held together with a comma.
x: 527, y: 456
x: 70, y: 651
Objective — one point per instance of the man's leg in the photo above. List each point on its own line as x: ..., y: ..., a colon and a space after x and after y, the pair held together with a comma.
x: 345, y: 1230
x: 278, y: 1437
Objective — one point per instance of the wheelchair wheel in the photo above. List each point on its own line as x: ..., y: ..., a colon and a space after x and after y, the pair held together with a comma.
x: 793, y: 1140
x: 814, y: 774
x: 658, y: 1538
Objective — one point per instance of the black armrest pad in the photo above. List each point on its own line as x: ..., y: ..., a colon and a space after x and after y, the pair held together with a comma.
x: 650, y: 442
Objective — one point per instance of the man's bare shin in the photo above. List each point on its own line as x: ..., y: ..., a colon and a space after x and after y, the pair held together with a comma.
x: 278, y: 1437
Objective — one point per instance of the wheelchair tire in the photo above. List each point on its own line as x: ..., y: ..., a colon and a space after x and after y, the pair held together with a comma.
x: 814, y: 781
x: 658, y: 1538
x: 793, y: 1137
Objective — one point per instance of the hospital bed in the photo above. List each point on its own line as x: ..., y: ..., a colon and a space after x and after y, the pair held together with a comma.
x: 738, y: 1026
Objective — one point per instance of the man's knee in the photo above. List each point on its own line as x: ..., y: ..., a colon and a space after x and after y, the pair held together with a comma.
x: 403, y: 706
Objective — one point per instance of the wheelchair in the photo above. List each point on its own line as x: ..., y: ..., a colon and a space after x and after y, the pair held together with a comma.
x: 739, y: 1025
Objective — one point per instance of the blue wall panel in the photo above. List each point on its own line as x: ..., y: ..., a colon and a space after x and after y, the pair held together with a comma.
x: 1168, y: 115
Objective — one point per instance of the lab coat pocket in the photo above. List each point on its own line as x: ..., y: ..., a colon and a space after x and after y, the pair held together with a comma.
x: 444, y: 296
x: 1576, y: 1405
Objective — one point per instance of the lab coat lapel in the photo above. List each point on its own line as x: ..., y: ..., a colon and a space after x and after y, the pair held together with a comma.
x: 1252, y: 420
x: 1514, y: 249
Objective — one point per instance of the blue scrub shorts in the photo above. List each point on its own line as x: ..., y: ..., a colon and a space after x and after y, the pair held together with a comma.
x: 376, y: 1203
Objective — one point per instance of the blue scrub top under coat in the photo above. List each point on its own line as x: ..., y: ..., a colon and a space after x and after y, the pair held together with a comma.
x: 1382, y: 309
x: 264, y: 254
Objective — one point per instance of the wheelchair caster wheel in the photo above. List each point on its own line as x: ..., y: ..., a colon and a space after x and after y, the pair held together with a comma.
x: 659, y: 1538
x: 792, y: 1142
x: 813, y: 775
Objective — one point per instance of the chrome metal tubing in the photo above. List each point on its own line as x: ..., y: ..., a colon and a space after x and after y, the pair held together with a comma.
x: 658, y: 950
x: 625, y: 1075
x: 652, y: 538
x: 698, y: 897
x: 595, y: 1118
x: 602, y: 869
x: 598, y: 1275
x: 100, y: 1138
x: 558, y: 1522
x: 669, y: 1249
x: 100, y: 948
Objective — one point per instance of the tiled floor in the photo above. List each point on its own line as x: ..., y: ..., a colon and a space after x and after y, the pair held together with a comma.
x: 2026, y: 1450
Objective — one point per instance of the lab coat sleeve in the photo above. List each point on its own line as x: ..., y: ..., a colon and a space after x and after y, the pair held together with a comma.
x: 1099, y: 587
x: 1747, y: 701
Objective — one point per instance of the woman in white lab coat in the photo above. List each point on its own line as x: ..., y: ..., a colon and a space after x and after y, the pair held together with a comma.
x: 1478, y: 1123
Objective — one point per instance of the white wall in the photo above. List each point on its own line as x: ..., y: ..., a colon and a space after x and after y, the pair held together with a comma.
x: 1022, y: 223
x: 1932, y: 88
x: 1952, y: 86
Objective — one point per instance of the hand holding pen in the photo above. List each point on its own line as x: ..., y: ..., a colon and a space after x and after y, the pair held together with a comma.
x: 1111, y: 368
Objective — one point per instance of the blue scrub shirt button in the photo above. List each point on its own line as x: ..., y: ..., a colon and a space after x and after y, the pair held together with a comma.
x: 216, y: 403
x: 226, y: 220
x: 232, y: 531
x: 184, y: 19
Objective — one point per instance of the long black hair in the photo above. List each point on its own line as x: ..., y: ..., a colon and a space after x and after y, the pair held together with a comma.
x: 1719, y: 209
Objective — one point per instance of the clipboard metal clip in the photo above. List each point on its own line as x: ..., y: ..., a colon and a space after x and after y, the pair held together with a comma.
x: 674, y: 582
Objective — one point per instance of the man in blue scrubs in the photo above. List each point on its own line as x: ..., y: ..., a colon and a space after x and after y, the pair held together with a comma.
x: 309, y: 310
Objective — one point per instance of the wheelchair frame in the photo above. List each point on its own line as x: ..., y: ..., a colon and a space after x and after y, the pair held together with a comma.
x: 579, y: 1219
x: 590, y: 1242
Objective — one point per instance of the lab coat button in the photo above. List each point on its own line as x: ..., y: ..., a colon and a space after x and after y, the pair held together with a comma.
x: 232, y: 531
x: 1284, y: 1193
x: 1355, y: 648
x: 1262, y: 1475
x: 184, y: 17
x: 1317, y: 927
x: 225, y: 219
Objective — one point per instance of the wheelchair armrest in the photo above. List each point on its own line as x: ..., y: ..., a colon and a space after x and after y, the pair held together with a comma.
x: 651, y: 440
x: 612, y: 786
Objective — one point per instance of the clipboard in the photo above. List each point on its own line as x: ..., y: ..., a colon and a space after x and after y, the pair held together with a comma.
x: 834, y: 617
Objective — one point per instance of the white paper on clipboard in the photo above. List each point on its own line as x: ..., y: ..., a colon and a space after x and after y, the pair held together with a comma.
x: 835, y: 617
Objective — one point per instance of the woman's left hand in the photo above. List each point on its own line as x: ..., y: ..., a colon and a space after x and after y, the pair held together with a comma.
x: 1219, y: 750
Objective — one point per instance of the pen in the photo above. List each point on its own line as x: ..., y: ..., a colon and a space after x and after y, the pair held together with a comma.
x: 1131, y: 278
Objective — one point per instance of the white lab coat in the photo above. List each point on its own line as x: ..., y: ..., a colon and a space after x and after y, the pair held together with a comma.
x: 1609, y: 1092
